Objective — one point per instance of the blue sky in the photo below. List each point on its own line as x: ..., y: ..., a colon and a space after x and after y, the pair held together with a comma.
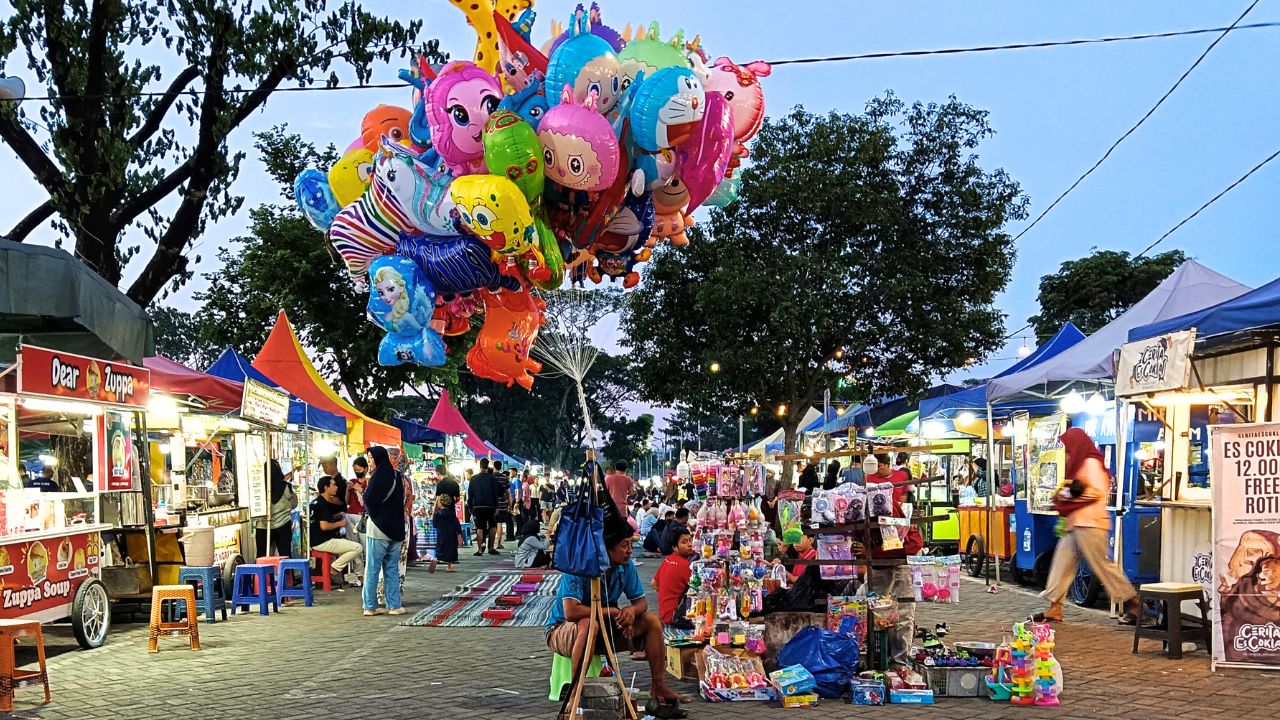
x: 1055, y: 111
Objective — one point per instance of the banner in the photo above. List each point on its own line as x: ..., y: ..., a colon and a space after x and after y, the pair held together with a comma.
x: 75, y: 377
x: 1245, y: 479
x: 1046, y: 462
x: 40, y: 576
x: 264, y: 403
x: 1155, y: 364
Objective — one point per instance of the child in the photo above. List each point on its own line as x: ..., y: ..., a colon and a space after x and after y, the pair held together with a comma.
x: 448, y: 533
x: 804, y: 551
x: 672, y: 581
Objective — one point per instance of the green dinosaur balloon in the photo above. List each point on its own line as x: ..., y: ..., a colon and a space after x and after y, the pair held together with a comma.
x: 648, y: 53
x: 512, y: 150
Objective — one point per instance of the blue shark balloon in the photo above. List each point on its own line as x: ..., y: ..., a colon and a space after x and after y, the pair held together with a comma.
x: 315, y: 197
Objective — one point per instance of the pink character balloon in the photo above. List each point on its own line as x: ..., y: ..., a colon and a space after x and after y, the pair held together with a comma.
x: 458, y: 104
x: 740, y: 85
x: 578, y: 145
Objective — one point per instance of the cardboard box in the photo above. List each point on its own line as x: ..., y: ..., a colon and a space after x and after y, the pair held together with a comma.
x: 681, y: 663
x: 799, y: 701
x: 793, y: 680
x: 911, y: 697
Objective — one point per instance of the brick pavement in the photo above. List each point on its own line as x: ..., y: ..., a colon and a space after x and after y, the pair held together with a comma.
x: 328, y: 661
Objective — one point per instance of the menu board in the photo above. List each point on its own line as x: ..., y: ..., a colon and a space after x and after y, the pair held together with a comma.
x: 1046, y: 461
x: 251, y: 461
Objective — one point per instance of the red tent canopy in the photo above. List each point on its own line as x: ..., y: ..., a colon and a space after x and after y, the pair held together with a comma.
x: 176, y: 378
x: 449, y: 421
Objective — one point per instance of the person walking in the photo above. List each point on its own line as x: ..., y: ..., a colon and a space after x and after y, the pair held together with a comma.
x: 448, y: 532
x: 482, y: 500
x: 1088, y: 526
x: 384, y: 533
x: 275, y: 534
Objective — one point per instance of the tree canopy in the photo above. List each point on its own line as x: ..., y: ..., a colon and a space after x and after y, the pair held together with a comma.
x: 1094, y: 290
x: 862, y: 246
x: 138, y: 101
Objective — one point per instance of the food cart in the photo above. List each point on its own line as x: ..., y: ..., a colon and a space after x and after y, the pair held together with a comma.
x: 79, y: 419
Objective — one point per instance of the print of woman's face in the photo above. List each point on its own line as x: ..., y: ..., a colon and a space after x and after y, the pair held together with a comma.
x: 570, y: 160
x: 389, y: 291
x: 1252, y: 547
x: 469, y: 105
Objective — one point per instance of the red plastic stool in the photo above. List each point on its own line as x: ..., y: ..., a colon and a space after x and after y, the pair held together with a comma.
x: 273, y: 561
x: 326, y: 566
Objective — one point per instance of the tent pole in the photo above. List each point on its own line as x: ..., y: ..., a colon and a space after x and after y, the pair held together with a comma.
x: 991, y: 488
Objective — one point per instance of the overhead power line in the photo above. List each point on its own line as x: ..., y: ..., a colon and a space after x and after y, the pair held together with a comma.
x: 791, y: 61
x: 1136, y: 125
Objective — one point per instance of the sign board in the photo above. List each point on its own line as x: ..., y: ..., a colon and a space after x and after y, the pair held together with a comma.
x: 1155, y: 364
x: 265, y: 404
x: 39, y: 577
x: 115, y: 458
x: 1046, y: 462
x: 1245, y: 467
x: 67, y: 376
x: 251, y: 472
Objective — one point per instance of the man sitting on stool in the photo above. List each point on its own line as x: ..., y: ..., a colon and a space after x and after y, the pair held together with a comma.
x: 631, y: 627
x: 328, y: 518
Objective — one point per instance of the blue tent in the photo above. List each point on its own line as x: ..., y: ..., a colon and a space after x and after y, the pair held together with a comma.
x: 508, y: 460
x: 842, y: 423
x: 975, y: 398
x: 1254, y: 310
x: 412, y: 431
x: 234, y: 366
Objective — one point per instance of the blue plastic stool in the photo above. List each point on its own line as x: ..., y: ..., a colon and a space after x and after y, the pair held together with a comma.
x: 210, y: 595
x: 303, y: 567
x: 255, y: 585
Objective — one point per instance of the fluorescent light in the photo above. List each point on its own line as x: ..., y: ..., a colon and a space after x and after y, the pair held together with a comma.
x: 162, y: 405
x: 325, y: 448
x: 1024, y: 351
x: 933, y: 429
x: 164, y: 448
x: 62, y: 406
x: 1073, y: 403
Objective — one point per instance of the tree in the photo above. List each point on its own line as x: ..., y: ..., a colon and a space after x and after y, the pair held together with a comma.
x: 114, y: 144
x: 1094, y: 290
x: 179, y: 337
x: 878, y: 233
x: 628, y: 439
x: 283, y: 264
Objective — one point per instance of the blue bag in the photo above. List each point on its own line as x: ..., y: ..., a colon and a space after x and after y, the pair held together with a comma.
x: 832, y: 659
x: 580, y: 546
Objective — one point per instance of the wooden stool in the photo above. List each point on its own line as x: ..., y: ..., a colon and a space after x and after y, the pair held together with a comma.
x: 160, y: 594
x: 11, y: 678
x: 1171, y: 595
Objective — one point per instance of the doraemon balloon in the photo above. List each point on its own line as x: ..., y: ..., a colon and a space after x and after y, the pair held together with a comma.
x: 666, y: 112
x: 459, y: 102
x: 579, y: 148
x: 401, y: 301
x: 586, y: 63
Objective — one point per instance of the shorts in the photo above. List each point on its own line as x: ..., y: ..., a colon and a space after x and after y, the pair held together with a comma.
x: 483, y: 519
x: 561, y: 636
x: 504, y: 516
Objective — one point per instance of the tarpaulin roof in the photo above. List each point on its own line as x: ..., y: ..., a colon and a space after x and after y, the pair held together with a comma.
x: 55, y: 301
x: 886, y: 410
x: 234, y: 366
x: 1253, y: 310
x: 412, y: 431
x: 975, y: 398
x: 846, y: 420
x: 496, y: 454
x: 1191, y: 287
x: 174, y: 377
x: 283, y: 358
x: 898, y: 425
x: 449, y: 421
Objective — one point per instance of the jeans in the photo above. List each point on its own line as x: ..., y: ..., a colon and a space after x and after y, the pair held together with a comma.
x: 382, y: 559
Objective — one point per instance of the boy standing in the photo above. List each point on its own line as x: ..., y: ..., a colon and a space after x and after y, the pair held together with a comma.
x: 672, y: 581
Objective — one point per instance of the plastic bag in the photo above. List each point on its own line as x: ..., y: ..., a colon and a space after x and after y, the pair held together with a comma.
x: 832, y: 659
x: 891, y: 532
x: 879, y: 499
x: 835, y: 547
x: 580, y: 546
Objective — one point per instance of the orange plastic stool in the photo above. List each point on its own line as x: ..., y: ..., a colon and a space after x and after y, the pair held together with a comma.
x: 174, y: 593
x: 11, y: 678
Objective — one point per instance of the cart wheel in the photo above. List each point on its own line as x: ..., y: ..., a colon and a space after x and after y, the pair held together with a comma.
x: 1086, y: 588
x: 1041, y: 569
x: 975, y: 556
x: 229, y: 573
x: 91, y: 614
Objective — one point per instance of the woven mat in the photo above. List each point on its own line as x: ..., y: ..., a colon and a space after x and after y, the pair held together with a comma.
x: 492, y: 584
x: 466, y: 612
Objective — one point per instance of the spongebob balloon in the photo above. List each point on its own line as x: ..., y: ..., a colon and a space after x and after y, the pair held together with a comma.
x: 495, y: 210
x: 350, y: 176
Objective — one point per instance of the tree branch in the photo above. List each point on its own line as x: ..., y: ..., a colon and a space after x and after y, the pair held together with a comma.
x: 31, y: 155
x: 31, y: 222
x: 158, y: 112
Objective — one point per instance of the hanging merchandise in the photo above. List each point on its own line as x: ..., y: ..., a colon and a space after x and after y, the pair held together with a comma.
x: 892, y: 532
x: 790, y: 507
x: 836, y: 547
x: 935, y: 579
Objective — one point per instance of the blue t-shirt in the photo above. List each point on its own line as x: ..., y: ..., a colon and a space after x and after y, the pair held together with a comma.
x: 620, y: 580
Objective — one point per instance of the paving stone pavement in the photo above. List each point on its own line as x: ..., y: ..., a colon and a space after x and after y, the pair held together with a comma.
x: 329, y: 661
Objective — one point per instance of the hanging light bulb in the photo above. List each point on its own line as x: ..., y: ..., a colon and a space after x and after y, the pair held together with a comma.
x: 1073, y: 403
x: 966, y: 418
x: 933, y: 429
x: 782, y: 410
x: 1025, y: 350
x: 1097, y: 404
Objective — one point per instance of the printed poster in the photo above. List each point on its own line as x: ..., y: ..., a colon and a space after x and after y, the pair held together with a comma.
x: 1047, y: 462
x: 1245, y: 467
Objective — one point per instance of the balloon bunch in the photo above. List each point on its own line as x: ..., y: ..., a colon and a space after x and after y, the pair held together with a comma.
x: 523, y: 166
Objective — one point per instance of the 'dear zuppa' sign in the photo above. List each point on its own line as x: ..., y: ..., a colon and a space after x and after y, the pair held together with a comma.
x: 68, y: 376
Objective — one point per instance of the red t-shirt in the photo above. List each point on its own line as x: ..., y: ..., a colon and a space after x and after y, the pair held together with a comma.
x: 897, y: 476
x: 672, y: 580
x: 620, y: 486
x: 809, y: 554
x: 355, y: 488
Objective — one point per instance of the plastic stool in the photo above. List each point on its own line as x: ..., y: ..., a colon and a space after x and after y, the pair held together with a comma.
x: 303, y: 588
x: 255, y: 585
x: 326, y: 568
x: 1170, y: 595
x: 211, y: 596
x: 273, y: 561
x: 160, y: 594
x: 562, y: 673
x: 11, y: 678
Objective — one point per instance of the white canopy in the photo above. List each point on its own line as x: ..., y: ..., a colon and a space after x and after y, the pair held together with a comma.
x: 759, y: 448
x: 1191, y: 287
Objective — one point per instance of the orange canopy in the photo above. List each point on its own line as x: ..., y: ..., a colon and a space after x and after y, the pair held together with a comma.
x: 283, y: 359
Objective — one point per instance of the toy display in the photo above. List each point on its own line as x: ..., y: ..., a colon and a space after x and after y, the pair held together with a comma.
x: 836, y: 547
x: 1035, y: 676
x: 935, y: 579
x: 505, y: 171
x: 728, y: 678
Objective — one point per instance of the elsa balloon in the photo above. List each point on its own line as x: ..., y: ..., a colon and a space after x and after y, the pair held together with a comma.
x: 458, y: 103
x: 401, y: 301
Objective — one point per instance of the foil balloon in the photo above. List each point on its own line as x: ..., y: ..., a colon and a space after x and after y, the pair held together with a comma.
x: 369, y: 227
x: 458, y: 264
x: 512, y: 150
x: 647, y: 53
x: 585, y: 63
x: 598, y: 28
x: 502, y: 349
x: 518, y: 60
x: 726, y: 193
x: 402, y: 302
x: 315, y: 198
x: 458, y: 104
x: 629, y: 227
x: 530, y: 104
x: 740, y: 85
x: 349, y: 177
x: 666, y: 111
x: 480, y: 17
x: 671, y: 220
x: 703, y: 160
x: 420, y: 78
x: 495, y: 210
x: 385, y: 121
x: 579, y: 148
x: 419, y: 189
x: 618, y: 266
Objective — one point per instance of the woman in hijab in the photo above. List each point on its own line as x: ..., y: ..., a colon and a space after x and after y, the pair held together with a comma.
x: 384, y: 533
x: 1088, y: 526
x: 275, y: 534
x: 531, y: 549
x: 809, y: 480
x: 832, y: 478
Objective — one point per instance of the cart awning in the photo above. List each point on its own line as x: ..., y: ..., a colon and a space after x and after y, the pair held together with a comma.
x: 176, y: 378
x: 234, y: 366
